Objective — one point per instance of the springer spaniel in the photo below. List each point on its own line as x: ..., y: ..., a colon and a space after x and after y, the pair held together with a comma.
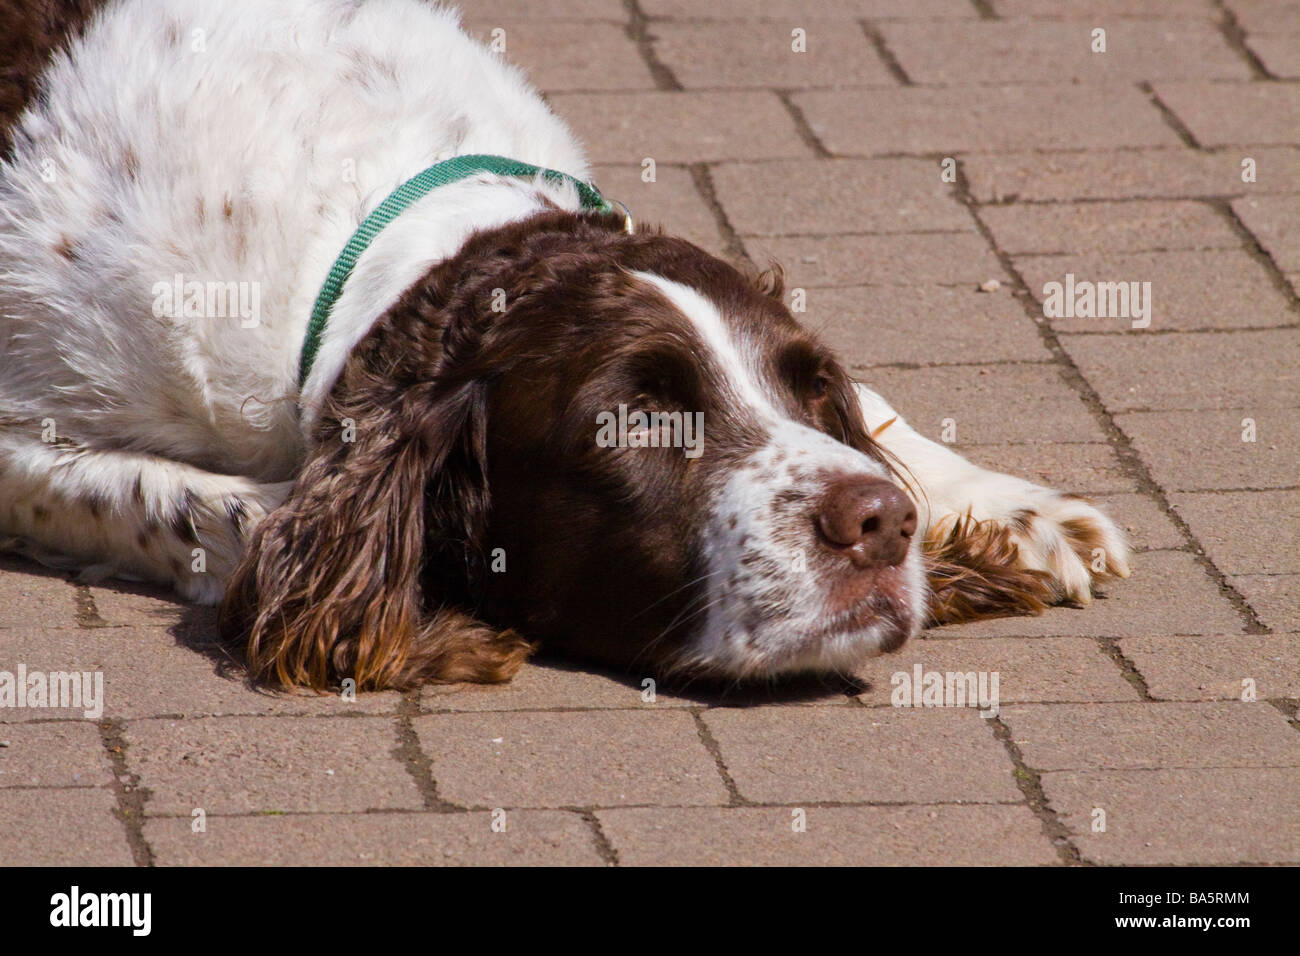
x: 433, y: 499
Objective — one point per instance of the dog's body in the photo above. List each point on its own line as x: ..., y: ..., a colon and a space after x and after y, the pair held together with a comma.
x: 228, y: 151
x: 173, y: 142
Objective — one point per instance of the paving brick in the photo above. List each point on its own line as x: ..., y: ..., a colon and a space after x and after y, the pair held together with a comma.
x: 1275, y: 222
x: 1196, y: 451
x: 61, y: 828
x: 1274, y: 597
x: 680, y: 127
x: 804, y: 10
x: 62, y: 754
x: 1196, y: 370
x: 31, y: 596
x: 848, y: 754
x: 570, y: 759
x: 1082, y: 469
x: 1044, y: 51
x: 531, y: 838
x: 1140, y: 605
x: 1181, y: 816
x: 552, y: 9
x: 1130, y: 174
x: 262, y: 764
x: 830, y: 196
x: 980, y: 835
x: 950, y: 258
x: 976, y: 398
x: 1280, y: 53
x: 925, y: 325
x: 1243, y: 531
x: 1266, y: 16
x: 1110, y: 9
x: 566, y: 55
x: 1051, y: 669
x: 1108, y: 227
x: 1212, y: 667
x: 149, y: 672
x: 760, y: 53
x: 549, y: 686
x: 1189, y: 291
x: 1221, y: 114
x: 983, y: 119
x: 1145, y: 736
x: 1139, y: 517
x: 671, y: 201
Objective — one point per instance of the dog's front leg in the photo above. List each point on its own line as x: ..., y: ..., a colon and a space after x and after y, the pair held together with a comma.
x: 970, y: 515
x: 125, y: 513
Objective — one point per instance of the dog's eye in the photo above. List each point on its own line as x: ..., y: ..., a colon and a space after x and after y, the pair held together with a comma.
x: 654, y: 393
x: 821, y: 385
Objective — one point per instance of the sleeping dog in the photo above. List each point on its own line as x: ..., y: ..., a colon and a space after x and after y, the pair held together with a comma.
x: 308, y: 308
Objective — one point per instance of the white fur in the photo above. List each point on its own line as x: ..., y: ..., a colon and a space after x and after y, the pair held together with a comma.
x: 749, y: 527
x: 316, y: 111
x: 711, y: 327
x: 954, y: 488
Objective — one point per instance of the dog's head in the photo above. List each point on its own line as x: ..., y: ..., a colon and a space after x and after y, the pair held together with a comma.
x: 613, y: 444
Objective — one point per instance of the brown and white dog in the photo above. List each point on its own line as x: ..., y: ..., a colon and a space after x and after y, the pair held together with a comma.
x: 447, y: 488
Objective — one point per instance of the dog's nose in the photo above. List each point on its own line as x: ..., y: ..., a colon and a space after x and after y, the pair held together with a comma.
x: 869, y: 518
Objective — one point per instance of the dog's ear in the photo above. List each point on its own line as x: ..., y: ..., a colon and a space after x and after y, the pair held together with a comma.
x: 333, y: 583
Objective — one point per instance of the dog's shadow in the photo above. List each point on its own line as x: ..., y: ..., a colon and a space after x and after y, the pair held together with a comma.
x: 798, y: 689
x: 192, y: 626
x: 195, y: 629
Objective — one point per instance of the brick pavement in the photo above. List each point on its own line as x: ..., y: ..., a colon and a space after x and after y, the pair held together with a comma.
x: 1123, y: 165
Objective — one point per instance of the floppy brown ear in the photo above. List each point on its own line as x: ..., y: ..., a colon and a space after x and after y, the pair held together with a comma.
x: 331, y: 584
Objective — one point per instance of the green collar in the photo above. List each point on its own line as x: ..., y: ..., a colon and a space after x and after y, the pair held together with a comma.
x: 398, y: 201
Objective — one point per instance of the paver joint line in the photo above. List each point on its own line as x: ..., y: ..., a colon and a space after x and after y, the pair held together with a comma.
x: 1032, y: 787
x: 1120, y: 440
x: 638, y: 31
x: 413, y: 758
x: 715, y: 751
x: 127, y: 792
x: 1236, y: 39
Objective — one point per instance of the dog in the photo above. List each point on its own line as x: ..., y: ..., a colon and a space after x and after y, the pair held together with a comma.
x: 417, y: 454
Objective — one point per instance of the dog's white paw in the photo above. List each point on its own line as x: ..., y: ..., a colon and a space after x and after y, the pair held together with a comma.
x: 209, y: 535
x: 1073, y: 541
x: 1065, y: 537
x: 201, y: 589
